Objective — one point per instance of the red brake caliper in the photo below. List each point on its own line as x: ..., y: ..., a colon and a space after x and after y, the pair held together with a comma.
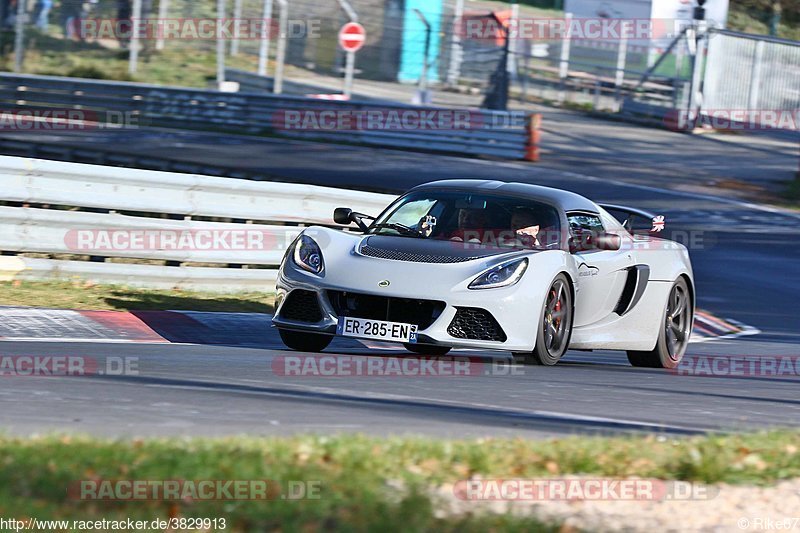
x: 557, y: 322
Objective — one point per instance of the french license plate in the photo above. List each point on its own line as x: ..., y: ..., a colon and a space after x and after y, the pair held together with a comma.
x: 376, y: 329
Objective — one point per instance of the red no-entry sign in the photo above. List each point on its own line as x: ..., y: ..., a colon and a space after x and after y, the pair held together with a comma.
x: 352, y: 36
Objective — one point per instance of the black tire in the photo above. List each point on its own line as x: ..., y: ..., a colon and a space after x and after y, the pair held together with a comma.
x: 305, y: 342
x: 555, y: 328
x: 673, y: 336
x: 427, y: 349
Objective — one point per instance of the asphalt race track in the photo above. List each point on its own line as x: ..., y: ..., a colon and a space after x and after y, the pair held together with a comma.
x: 745, y: 259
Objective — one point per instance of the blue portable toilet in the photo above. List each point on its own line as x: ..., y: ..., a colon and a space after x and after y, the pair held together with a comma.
x: 413, y: 40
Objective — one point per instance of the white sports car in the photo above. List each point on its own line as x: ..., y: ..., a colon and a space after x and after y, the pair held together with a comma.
x: 490, y: 265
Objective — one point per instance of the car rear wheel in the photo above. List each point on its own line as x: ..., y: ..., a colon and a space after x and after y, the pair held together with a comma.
x: 427, y: 349
x: 673, y: 336
x: 305, y: 342
x: 555, y: 327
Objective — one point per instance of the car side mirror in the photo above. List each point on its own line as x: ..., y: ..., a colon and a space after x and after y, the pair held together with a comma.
x: 346, y: 216
x: 343, y: 215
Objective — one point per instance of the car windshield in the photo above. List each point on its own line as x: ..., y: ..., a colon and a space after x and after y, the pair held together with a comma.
x: 478, y: 219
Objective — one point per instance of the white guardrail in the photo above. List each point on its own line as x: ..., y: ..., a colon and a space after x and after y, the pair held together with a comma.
x: 75, y: 211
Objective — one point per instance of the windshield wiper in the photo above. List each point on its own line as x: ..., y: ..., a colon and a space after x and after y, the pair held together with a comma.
x: 400, y: 228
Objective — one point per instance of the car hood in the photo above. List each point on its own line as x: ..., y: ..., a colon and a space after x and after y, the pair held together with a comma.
x: 426, y: 250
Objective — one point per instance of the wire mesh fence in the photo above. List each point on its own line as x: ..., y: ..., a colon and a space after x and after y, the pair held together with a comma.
x: 747, y: 72
x: 177, y: 43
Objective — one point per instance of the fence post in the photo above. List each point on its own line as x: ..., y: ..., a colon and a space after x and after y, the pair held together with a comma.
x: 755, y: 77
x: 266, y: 35
x: 19, y: 36
x: 622, y: 58
x: 456, y: 48
x: 163, y: 11
x: 136, y: 23
x: 280, y: 57
x: 220, y: 45
x: 563, y: 67
x: 534, y: 135
x: 699, y: 36
x: 237, y: 15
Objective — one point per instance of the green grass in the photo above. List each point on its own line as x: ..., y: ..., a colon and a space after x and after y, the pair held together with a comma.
x: 365, y: 484
x: 741, y: 20
x: 180, y: 64
x: 83, y: 295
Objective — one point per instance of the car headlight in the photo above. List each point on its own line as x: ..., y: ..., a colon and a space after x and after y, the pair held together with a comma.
x: 502, y: 275
x: 307, y: 255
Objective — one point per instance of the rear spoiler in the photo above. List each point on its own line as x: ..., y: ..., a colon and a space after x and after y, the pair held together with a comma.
x: 629, y: 213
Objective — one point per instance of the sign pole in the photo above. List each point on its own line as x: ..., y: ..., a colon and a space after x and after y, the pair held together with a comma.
x: 348, y: 73
x: 350, y: 60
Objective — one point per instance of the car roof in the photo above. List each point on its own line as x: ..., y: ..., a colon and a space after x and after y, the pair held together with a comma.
x: 563, y: 200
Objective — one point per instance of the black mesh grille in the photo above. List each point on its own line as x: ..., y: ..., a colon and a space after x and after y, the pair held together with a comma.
x: 476, y: 324
x: 396, y: 255
x: 408, y: 310
x: 302, y: 306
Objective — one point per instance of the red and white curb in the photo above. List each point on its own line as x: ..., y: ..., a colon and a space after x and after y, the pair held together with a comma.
x: 709, y: 327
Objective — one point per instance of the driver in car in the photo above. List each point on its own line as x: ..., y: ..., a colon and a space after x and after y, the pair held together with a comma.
x: 525, y: 225
x: 471, y: 225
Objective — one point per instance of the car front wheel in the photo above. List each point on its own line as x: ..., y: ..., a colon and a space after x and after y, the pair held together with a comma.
x: 555, y: 326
